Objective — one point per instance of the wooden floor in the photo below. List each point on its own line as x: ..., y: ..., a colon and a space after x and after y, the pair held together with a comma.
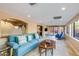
x: 61, y: 50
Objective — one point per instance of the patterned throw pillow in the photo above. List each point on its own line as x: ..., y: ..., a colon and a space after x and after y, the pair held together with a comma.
x: 22, y: 40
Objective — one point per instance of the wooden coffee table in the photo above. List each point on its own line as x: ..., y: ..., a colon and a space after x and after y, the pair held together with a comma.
x: 45, y: 45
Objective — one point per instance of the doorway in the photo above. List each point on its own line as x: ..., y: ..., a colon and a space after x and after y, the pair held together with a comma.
x: 40, y: 30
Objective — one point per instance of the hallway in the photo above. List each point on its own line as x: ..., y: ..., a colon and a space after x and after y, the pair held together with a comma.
x: 61, y: 50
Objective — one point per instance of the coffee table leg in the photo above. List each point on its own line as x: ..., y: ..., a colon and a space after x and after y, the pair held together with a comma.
x: 45, y: 52
x: 52, y: 51
x: 40, y: 51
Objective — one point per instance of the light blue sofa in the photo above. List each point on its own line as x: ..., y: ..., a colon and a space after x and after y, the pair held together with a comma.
x: 21, y: 50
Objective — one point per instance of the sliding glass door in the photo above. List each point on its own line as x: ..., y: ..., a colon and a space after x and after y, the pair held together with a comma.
x: 56, y: 29
x: 73, y: 29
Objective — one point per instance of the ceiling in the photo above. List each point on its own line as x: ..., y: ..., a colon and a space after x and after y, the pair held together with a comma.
x: 43, y: 13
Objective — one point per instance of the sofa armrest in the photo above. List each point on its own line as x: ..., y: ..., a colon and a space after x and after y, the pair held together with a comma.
x: 13, y: 45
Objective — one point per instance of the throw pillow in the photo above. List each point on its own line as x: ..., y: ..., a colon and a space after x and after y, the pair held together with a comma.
x: 22, y: 40
x: 37, y: 36
x: 30, y: 37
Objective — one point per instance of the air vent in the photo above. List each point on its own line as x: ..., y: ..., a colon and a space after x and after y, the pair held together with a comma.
x: 32, y: 4
x: 57, y: 17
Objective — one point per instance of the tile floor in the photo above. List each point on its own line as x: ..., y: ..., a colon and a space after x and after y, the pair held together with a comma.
x: 61, y: 50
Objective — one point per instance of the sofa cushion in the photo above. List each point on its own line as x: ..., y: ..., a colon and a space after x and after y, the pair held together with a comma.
x: 13, y: 45
x: 12, y: 38
x: 33, y: 41
x: 25, y: 48
x: 22, y: 40
x: 36, y: 36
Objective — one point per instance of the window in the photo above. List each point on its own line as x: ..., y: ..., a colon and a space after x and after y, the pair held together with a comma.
x: 73, y: 29
x: 76, y: 29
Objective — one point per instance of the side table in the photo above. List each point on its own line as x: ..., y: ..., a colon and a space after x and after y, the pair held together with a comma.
x: 6, y: 51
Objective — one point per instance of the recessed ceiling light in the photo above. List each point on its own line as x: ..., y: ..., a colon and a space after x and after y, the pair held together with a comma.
x: 8, y: 19
x: 63, y: 8
x: 28, y: 15
x: 16, y: 27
